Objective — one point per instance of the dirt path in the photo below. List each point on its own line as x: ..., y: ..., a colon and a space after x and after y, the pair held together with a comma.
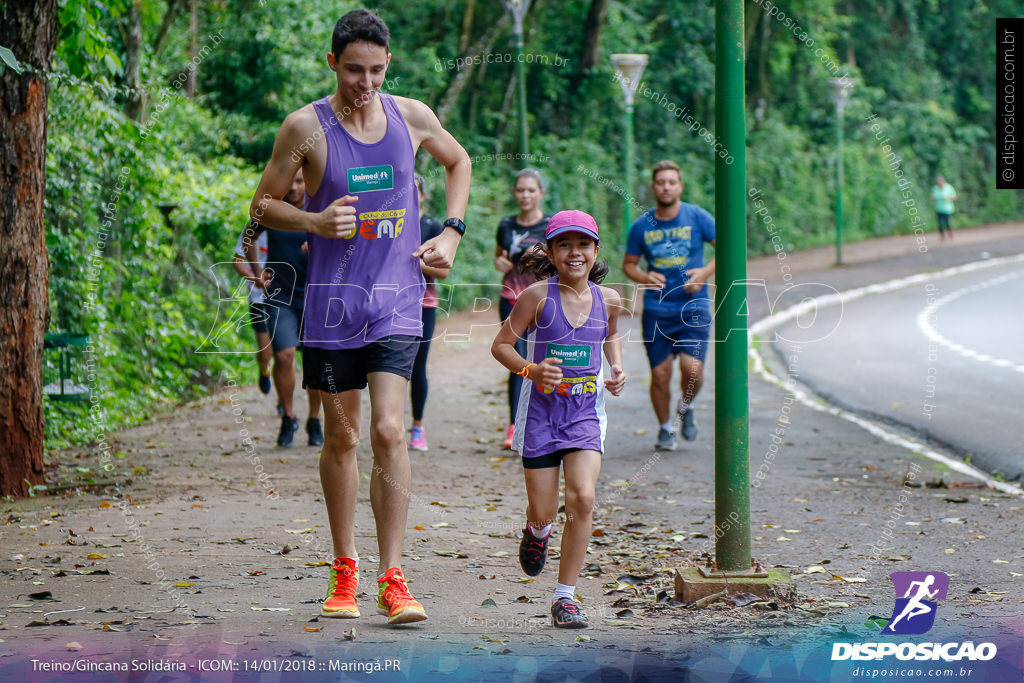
x: 201, y: 551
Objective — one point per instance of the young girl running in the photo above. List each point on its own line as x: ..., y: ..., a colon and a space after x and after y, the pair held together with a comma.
x: 568, y: 321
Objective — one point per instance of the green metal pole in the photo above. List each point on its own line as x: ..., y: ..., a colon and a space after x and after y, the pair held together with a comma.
x: 630, y: 166
x: 839, y: 186
x: 524, y: 133
x: 732, y: 449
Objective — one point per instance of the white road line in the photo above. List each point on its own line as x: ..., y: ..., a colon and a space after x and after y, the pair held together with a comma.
x: 762, y: 327
x: 929, y: 313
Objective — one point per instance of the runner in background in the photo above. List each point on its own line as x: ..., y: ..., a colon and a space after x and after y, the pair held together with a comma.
x: 516, y: 234
x: 430, y: 228
x: 944, y: 195
x: 284, y: 284
x: 264, y: 354
x: 677, y: 310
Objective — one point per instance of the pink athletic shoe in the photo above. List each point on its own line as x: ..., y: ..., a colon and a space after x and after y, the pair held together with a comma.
x: 418, y: 440
x: 507, y: 443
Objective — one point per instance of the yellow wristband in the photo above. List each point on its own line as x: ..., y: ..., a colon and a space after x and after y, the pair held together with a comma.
x: 526, y: 369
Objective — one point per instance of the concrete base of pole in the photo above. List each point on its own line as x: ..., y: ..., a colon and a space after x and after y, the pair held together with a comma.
x: 691, y: 584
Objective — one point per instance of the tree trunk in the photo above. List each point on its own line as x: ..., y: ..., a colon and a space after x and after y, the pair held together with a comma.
x: 165, y: 26
x: 133, y: 62
x: 29, y: 29
x: 591, y: 41
x: 193, y: 48
x: 467, y: 25
x: 458, y: 84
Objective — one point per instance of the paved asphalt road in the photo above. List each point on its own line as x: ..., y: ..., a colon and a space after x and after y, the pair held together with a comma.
x: 943, y: 358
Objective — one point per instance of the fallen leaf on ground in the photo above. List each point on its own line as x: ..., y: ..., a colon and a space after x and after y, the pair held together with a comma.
x: 743, y: 599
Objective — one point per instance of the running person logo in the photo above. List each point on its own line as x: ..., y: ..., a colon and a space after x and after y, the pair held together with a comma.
x: 916, y: 596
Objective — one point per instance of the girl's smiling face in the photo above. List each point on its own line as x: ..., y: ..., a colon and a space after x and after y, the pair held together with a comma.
x: 573, y: 254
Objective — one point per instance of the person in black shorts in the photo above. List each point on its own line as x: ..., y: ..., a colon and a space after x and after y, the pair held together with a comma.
x: 283, y: 282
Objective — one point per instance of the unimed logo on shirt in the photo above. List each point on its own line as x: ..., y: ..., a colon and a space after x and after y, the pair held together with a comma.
x: 571, y: 355
x: 370, y: 178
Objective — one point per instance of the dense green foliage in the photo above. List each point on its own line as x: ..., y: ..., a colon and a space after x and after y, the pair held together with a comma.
x: 924, y: 68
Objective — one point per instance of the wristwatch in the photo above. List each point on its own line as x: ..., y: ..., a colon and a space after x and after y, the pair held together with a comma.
x: 457, y: 224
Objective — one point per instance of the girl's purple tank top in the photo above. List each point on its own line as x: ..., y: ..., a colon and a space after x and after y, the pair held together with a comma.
x: 367, y: 287
x: 572, y: 416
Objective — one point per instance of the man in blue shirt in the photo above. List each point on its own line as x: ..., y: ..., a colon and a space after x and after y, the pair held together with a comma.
x: 677, y: 310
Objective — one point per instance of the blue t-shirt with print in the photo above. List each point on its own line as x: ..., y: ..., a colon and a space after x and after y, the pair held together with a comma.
x: 671, y: 248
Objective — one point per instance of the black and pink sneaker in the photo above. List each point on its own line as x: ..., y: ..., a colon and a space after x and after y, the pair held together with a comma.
x: 533, y: 552
x: 566, y: 613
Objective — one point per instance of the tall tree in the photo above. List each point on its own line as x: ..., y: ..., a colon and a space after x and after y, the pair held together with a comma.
x: 133, y: 108
x: 28, y: 29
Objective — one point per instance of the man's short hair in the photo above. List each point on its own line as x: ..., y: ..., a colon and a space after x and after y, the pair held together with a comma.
x: 667, y: 165
x: 359, y: 25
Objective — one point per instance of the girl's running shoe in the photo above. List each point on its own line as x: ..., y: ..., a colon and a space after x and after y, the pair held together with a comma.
x: 566, y: 613
x: 533, y: 552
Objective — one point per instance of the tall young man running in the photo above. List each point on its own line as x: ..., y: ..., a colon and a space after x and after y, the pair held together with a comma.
x: 677, y: 310
x: 365, y: 286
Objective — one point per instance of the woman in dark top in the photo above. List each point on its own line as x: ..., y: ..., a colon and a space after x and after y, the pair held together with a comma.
x: 516, y: 234
x: 430, y: 227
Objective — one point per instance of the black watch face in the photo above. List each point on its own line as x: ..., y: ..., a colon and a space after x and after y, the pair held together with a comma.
x: 457, y: 224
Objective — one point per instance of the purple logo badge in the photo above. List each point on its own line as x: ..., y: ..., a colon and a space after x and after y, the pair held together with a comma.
x: 916, y: 596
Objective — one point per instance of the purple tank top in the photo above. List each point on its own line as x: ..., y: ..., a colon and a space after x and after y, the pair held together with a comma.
x: 367, y: 287
x: 573, y: 415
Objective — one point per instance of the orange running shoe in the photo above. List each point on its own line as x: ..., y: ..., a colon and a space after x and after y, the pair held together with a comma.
x: 341, y: 590
x: 395, y: 601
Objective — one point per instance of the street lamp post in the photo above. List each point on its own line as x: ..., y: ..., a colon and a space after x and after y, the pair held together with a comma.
x: 840, y: 90
x: 518, y: 8
x: 628, y: 69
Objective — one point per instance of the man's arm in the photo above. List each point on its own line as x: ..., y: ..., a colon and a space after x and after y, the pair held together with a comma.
x: 252, y: 254
x: 268, y: 206
x: 241, y: 265
x: 699, y: 276
x: 630, y: 266
x: 458, y: 169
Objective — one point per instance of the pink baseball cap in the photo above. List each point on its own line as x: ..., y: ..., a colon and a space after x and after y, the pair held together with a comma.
x: 572, y: 221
